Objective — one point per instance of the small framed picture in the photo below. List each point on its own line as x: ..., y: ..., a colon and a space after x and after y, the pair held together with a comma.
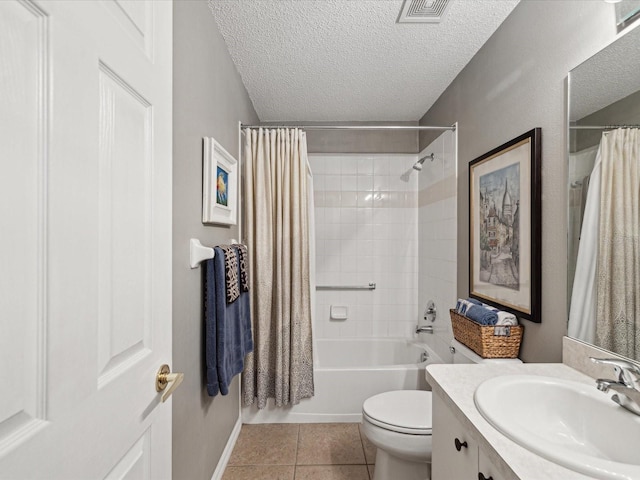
x: 505, y: 223
x: 219, y: 184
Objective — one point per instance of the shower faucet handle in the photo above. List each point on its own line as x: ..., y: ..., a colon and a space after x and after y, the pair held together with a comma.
x: 430, y: 312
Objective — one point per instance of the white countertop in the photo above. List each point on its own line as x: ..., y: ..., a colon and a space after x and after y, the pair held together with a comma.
x: 456, y: 384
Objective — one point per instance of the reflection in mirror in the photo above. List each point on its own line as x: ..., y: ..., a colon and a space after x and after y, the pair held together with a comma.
x: 627, y: 12
x: 604, y: 198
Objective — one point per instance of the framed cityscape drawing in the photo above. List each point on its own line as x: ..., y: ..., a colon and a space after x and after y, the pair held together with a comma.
x: 219, y: 184
x: 505, y: 223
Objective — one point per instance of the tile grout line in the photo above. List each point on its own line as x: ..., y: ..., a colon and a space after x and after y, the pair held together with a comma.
x: 364, y: 452
x: 295, y: 461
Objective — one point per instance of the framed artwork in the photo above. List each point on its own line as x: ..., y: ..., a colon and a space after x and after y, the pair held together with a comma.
x: 505, y: 226
x: 219, y: 184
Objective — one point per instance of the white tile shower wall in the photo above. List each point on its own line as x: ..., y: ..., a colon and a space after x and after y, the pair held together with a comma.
x: 437, y: 225
x: 366, y: 209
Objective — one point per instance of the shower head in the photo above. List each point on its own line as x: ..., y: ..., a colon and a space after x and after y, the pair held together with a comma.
x: 418, y: 165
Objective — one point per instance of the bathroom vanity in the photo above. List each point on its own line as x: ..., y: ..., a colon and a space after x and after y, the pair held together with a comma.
x: 466, y: 446
x: 458, y: 452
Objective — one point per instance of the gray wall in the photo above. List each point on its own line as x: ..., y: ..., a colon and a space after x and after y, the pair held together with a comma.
x: 208, y: 100
x: 516, y: 82
x: 352, y: 141
x: 359, y: 141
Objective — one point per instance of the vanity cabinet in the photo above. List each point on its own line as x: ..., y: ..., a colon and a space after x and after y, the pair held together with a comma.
x: 456, y: 454
x: 487, y: 469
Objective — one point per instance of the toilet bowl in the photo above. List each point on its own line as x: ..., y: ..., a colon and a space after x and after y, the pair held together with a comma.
x: 399, y: 424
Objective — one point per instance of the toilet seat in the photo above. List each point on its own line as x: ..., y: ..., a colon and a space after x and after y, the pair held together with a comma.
x: 402, y: 411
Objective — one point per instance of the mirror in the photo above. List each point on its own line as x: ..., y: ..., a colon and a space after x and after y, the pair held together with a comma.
x: 627, y: 12
x: 604, y: 113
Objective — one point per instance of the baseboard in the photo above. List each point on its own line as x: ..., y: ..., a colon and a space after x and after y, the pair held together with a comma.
x: 226, y: 453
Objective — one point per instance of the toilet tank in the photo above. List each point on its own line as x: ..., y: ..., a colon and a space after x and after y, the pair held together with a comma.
x: 463, y: 354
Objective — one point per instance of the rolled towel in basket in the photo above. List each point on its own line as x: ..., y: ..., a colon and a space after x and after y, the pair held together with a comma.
x: 504, y: 318
x: 482, y: 315
x: 507, y: 319
x: 463, y: 305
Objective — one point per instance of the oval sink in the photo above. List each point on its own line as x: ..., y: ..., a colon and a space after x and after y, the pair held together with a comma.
x: 569, y: 423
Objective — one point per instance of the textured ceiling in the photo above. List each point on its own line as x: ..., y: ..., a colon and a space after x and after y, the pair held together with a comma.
x: 608, y: 76
x: 343, y: 60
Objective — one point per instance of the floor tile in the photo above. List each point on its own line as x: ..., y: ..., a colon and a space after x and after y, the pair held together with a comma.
x: 269, y: 444
x: 330, y: 444
x: 371, y: 468
x: 259, y: 472
x: 332, y: 472
x: 369, y: 448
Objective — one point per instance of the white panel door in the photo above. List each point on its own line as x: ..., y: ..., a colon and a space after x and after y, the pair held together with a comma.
x: 85, y: 238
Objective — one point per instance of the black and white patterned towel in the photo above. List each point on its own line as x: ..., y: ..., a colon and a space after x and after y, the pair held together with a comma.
x: 231, y: 273
x: 243, y: 256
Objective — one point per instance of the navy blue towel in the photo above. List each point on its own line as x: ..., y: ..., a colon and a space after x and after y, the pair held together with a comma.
x: 482, y: 315
x: 227, y: 327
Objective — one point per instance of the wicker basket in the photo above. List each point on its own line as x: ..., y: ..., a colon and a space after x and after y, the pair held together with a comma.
x: 481, y: 339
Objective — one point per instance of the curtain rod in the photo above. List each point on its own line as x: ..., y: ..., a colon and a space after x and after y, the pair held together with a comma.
x: 600, y: 127
x: 353, y: 127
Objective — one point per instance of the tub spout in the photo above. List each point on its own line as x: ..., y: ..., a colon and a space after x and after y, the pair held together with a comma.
x: 424, y: 329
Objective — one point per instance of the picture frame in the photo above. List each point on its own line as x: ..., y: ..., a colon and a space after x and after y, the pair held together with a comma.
x: 505, y: 226
x: 219, y: 184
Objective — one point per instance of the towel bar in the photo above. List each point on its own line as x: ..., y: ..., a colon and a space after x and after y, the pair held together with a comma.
x: 371, y: 286
x: 198, y: 253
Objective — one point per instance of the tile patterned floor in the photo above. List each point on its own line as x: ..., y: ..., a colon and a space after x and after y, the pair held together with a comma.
x: 308, y: 451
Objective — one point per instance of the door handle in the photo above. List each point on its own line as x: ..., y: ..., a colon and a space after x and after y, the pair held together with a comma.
x: 164, y: 377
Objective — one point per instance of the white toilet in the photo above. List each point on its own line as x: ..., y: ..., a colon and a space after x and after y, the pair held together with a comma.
x: 399, y: 423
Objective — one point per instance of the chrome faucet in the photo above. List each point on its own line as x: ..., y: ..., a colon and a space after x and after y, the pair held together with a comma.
x: 425, y: 329
x: 627, y: 385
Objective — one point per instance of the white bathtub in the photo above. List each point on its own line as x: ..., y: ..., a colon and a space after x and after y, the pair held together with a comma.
x: 348, y: 371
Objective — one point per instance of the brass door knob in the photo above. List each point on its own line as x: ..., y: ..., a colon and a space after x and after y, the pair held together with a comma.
x: 164, y: 377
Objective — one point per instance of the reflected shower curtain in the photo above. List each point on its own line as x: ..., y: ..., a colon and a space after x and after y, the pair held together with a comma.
x: 581, y: 165
x: 276, y: 202
x: 618, y: 279
x: 582, y: 314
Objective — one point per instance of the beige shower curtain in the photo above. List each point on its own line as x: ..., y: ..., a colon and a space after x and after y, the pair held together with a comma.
x: 618, y: 278
x: 277, y: 235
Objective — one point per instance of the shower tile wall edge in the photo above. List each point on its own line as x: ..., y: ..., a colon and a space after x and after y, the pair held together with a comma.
x: 437, y: 232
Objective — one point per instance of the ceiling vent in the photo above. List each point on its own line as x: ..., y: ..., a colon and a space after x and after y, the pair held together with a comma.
x: 423, y: 11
